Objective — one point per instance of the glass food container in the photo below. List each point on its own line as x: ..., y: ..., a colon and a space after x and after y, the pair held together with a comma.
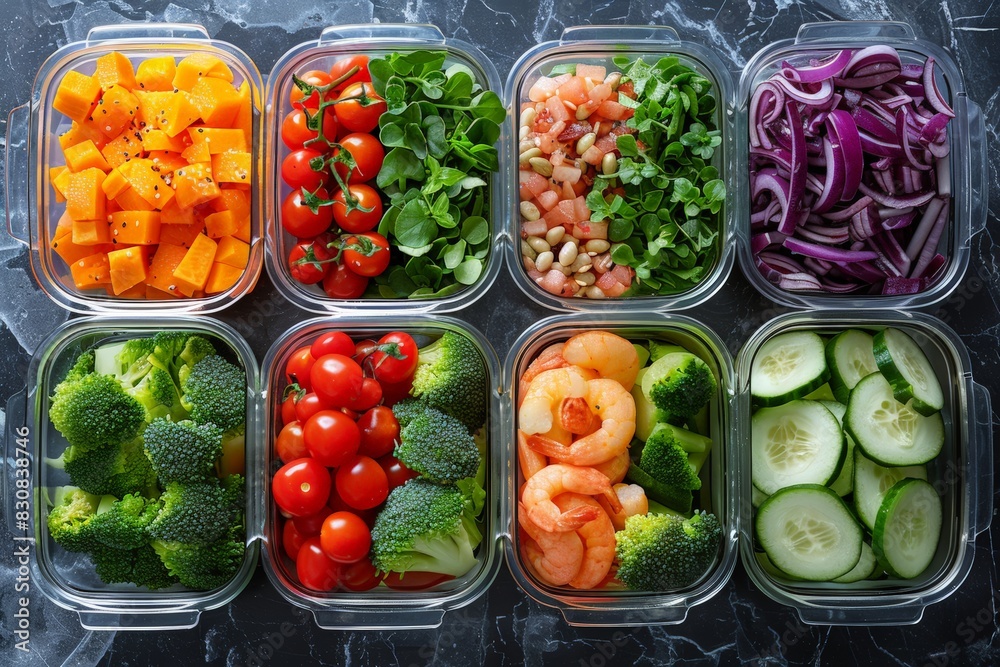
x: 967, y: 155
x: 600, y: 45
x: 376, y: 40
x: 620, y: 607
x: 69, y: 579
x: 33, y: 130
x: 962, y: 474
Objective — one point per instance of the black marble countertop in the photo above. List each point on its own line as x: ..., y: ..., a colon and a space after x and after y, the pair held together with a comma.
x: 740, y: 624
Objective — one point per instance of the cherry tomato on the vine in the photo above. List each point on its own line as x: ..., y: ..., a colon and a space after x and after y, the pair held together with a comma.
x: 344, y: 65
x: 307, y: 406
x: 292, y: 396
x: 362, y: 483
x: 345, y: 537
x: 359, y: 107
x: 316, y: 570
x: 290, y: 444
x: 299, y: 220
x: 299, y: 366
x: 313, y: 77
x: 301, y: 487
x: 336, y: 379
x: 362, y: 349
x: 366, y: 254
x: 368, y: 154
x: 370, y: 396
x: 395, y: 360
x: 295, y: 130
x: 331, y: 436
x: 297, y: 171
x: 379, y: 432
x: 332, y: 342
x: 357, y: 220
x: 304, y: 265
x: 342, y: 283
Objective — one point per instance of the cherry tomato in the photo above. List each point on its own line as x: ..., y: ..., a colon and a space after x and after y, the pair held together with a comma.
x: 362, y: 349
x: 331, y: 437
x: 297, y: 171
x: 366, y: 254
x: 358, y: 221
x: 337, y: 504
x: 311, y: 525
x: 379, y: 432
x: 295, y: 130
x: 395, y: 360
x: 301, y: 487
x: 360, y: 576
x: 336, y: 379
x: 291, y: 539
x: 342, y: 283
x: 345, y: 537
x: 315, y: 569
x: 344, y: 65
x: 299, y: 220
x: 371, y: 395
x: 362, y: 483
x: 394, y: 393
x: 288, y: 405
x: 298, y: 368
x: 359, y: 107
x: 414, y: 581
x: 350, y: 413
x: 396, y: 473
x: 304, y: 266
x: 289, y: 444
x: 307, y: 406
x: 368, y: 155
x: 313, y: 77
x: 333, y: 342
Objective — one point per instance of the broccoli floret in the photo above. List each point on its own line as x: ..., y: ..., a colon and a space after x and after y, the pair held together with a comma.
x: 115, y: 470
x: 172, y: 350
x: 193, y: 513
x: 124, y: 524
x: 69, y: 519
x: 182, y: 451
x: 407, y: 409
x: 451, y: 376
x: 438, y: 447
x: 425, y: 527
x: 141, y: 566
x: 659, y: 552
x: 214, y: 392
x: 83, y: 366
x: 207, y: 566
x: 95, y: 411
x: 665, y: 458
x: 234, y: 496
x: 159, y: 396
x: 679, y: 384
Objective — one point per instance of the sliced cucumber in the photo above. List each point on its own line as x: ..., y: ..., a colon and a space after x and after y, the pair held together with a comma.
x: 890, y: 432
x: 850, y: 357
x: 645, y: 411
x: 770, y: 568
x: 863, y: 570
x: 757, y: 497
x: 786, y: 367
x: 844, y: 483
x: 908, y: 528
x: 658, y: 348
x: 907, y: 369
x: 824, y: 393
x: 800, y: 442
x: 872, y: 482
x: 808, y: 532
x: 642, y: 353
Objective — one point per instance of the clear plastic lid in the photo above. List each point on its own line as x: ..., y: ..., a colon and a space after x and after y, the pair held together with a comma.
x: 69, y: 579
x: 620, y: 607
x: 967, y: 155
x: 373, y: 40
x: 380, y: 607
x: 33, y: 148
x: 599, y: 45
x: 962, y: 474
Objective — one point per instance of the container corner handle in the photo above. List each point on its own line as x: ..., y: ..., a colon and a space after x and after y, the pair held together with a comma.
x: 854, y: 31
x: 605, y: 33
x: 983, y: 457
x: 104, y: 33
x: 16, y: 176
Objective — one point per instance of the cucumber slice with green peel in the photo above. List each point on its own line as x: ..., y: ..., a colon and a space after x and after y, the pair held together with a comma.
x: 890, y: 432
x: 824, y: 393
x: 757, y: 497
x: 908, y: 528
x: 844, y: 483
x: 770, y: 568
x: 800, y: 442
x: 786, y: 367
x: 659, y: 349
x: 873, y: 481
x: 908, y: 371
x: 642, y: 353
x: 863, y: 570
x: 808, y: 532
x: 850, y: 358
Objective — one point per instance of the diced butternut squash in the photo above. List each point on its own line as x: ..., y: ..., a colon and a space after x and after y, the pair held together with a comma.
x: 219, y: 139
x: 158, y: 140
x: 194, y: 184
x: 171, y: 111
x: 174, y: 214
x: 220, y: 224
x: 64, y: 225
x: 115, y: 69
x: 84, y: 198
x: 129, y: 200
x: 197, y: 65
x: 59, y: 176
x: 147, y: 183
x: 91, y: 271
x: 62, y: 242
x: 232, y: 167
x: 81, y: 132
x: 114, y: 184
x: 166, y: 259
x: 222, y: 277
x: 85, y: 155
x: 233, y: 200
x: 121, y: 149
x: 91, y: 232
x: 76, y: 95
x: 115, y: 111
x: 244, y: 232
x: 134, y: 292
x: 197, y: 152
x: 244, y: 116
x: 136, y: 227
x: 152, y: 293
x: 156, y: 74
x: 182, y: 235
x: 192, y: 273
x: 166, y: 162
x: 233, y: 252
x: 217, y: 101
x: 128, y: 267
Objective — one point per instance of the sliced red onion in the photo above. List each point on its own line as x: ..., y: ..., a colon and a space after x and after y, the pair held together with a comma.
x: 934, y: 268
x: 799, y: 282
x: 890, y: 252
x: 929, y: 248
x: 873, y: 125
x: 820, y: 235
x: 943, y: 174
x: 915, y: 199
x: 818, y: 266
x: 862, y: 271
x: 896, y: 222
x: 818, y: 70
x: 828, y: 253
x: 876, y: 146
x: 933, y: 129
x: 767, y: 97
x: 923, y: 229
x: 820, y: 96
x: 847, y: 213
x: 865, y: 223
x: 797, y: 182
x: 896, y: 285
x: 884, y: 213
x: 781, y: 262
x: 912, y: 72
x: 931, y: 92
x: 759, y: 242
x: 904, y: 136
x: 830, y: 285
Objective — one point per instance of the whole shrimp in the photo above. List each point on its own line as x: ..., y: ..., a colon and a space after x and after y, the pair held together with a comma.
x: 555, y: 557
x: 598, y: 536
x: 540, y: 490
x: 616, y: 409
x: 612, y: 356
x: 548, y: 359
x: 539, y: 410
x: 633, y: 500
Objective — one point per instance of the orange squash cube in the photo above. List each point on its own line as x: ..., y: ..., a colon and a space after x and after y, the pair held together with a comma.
x: 59, y: 182
x: 115, y: 111
x: 217, y: 100
x: 128, y: 267
x: 232, y: 167
x: 197, y: 152
x: 76, y: 95
x: 158, y: 140
x: 115, y: 69
x: 194, y: 184
x: 129, y: 200
x: 197, y: 65
x: 84, y: 198
x: 166, y: 162
x: 233, y: 200
x: 244, y: 232
x: 192, y: 273
x: 81, y: 132
x: 147, y: 183
x: 219, y: 139
x: 121, y: 149
x: 221, y: 223
x: 85, y: 155
x: 91, y: 271
x: 232, y: 251
x: 135, y: 227
x: 91, y: 232
x: 114, y: 184
x: 156, y: 74
x: 161, y: 270
x: 222, y: 277
x: 171, y: 111
x: 181, y: 235
x: 244, y: 116
x: 174, y: 214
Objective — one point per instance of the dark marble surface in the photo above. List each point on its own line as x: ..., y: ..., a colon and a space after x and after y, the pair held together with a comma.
x: 740, y: 624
